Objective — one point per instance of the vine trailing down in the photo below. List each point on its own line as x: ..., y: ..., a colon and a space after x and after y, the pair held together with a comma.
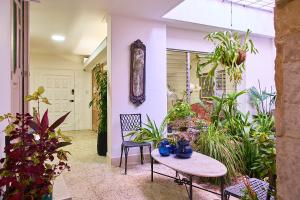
x: 100, y: 102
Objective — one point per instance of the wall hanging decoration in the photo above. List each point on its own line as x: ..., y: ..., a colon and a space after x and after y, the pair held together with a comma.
x: 137, y: 72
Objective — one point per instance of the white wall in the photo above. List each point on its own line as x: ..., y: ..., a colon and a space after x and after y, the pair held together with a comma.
x: 190, y: 40
x: 121, y: 33
x: 83, y: 82
x: 5, y: 65
x: 259, y: 66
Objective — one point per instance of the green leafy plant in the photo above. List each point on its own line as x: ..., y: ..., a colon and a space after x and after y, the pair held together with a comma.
x: 100, y: 102
x: 262, y: 100
x: 150, y: 133
x: 179, y: 116
x: 38, y: 97
x: 264, y: 138
x: 180, y: 110
x: 226, y: 115
x: 222, y: 147
x: 230, y: 52
x: 250, y: 153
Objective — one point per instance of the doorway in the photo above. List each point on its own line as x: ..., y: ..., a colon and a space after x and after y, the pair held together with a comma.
x: 59, y: 88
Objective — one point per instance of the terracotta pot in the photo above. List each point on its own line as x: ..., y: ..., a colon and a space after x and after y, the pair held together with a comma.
x: 241, y: 58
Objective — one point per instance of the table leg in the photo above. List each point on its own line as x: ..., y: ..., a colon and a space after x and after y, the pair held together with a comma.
x: 222, y: 187
x: 151, y: 169
x: 191, y: 187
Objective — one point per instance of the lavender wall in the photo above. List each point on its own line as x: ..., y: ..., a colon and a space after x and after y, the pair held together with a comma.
x: 122, y: 32
x: 5, y: 64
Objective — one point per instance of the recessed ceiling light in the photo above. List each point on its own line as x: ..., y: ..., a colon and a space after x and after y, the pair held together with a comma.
x: 58, y: 38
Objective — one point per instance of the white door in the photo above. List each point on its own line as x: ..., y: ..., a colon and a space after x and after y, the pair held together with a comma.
x: 59, y: 89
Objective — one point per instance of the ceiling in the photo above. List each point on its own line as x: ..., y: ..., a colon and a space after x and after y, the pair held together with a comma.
x: 260, y: 4
x: 83, y: 22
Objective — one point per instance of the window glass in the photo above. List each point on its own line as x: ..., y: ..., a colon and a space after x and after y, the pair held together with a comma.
x: 176, y: 76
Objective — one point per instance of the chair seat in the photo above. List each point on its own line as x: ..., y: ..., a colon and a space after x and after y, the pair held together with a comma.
x: 259, y: 186
x: 135, y: 144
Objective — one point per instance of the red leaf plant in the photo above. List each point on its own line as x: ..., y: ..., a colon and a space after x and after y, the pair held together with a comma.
x: 34, y: 157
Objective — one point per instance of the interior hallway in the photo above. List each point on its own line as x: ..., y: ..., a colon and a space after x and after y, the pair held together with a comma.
x: 91, y: 178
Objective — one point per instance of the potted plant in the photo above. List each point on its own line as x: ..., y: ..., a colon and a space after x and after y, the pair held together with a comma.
x: 100, y: 102
x: 230, y: 52
x: 179, y: 115
x: 150, y: 133
x: 34, y: 154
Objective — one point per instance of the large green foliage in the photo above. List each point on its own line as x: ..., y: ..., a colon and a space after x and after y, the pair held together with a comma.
x: 100, y: 101
x: 180, y: 110
x: 222, y: 147
x: 254, y: 141
x: 226, y: 115
x: 262, y: 100
x: 150, y: 133
x: 230, y: 52
x: 264, y: 139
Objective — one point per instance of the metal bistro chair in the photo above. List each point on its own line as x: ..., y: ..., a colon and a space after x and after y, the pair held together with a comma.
x: 260, y: 187
x: 131, y: 122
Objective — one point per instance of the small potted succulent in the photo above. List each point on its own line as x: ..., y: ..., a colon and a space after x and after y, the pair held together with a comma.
x: 34, y: 154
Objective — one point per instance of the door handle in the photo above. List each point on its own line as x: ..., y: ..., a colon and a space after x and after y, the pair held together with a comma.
x: 72, y: 101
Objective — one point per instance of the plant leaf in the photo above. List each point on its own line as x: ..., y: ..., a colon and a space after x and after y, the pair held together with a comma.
x: 58, y: 122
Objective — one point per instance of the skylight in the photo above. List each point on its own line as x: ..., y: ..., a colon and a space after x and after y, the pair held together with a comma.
x: 260, y: 4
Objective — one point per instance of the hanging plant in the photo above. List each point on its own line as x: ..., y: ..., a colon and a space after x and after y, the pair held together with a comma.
x: 230, y: 52
x: 100, y: 102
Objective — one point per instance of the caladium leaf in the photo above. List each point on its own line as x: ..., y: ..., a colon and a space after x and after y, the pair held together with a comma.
x: 58, y: 122
x: 45, y: 121
x: 63, y: 144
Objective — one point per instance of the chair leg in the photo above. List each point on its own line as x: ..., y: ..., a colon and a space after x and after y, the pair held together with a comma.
x: 150, y: 149
x: 126, y: 156
x: 122, y: 148
x: 150, y: 152
x: 142, y: 155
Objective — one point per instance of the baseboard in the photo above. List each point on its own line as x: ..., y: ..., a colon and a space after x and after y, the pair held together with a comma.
x: 133, y: 159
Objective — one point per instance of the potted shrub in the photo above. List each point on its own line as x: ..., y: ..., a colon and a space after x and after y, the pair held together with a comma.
x: 179, y: 115
x: 230, y: 52
x: 34, y: 157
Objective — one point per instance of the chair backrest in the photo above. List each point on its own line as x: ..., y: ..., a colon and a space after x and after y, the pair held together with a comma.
x: 130, y: 122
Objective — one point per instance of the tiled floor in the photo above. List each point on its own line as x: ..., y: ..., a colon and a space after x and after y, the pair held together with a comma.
x: 91, y: 178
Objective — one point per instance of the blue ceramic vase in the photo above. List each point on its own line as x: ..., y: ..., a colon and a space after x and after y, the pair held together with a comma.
x: 163, y: 148
x: 184, y: 149
x: 172, y: 149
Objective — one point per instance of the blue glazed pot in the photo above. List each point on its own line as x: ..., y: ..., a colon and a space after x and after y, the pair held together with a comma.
x: 47, y: 197
x: 184, y: 149
x: 163, y: 148
x: 172, y: 149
